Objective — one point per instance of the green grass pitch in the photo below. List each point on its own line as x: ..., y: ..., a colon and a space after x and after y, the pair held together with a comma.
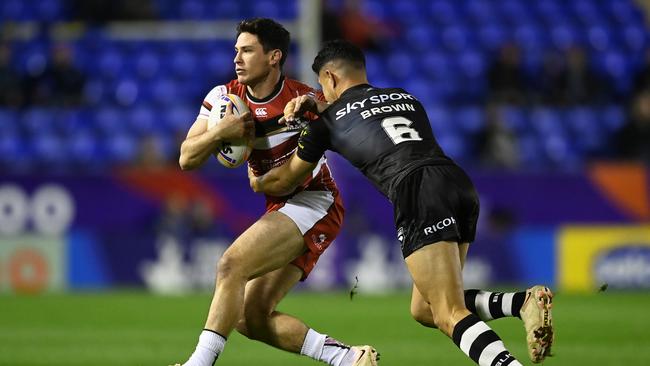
x: 133, y: 328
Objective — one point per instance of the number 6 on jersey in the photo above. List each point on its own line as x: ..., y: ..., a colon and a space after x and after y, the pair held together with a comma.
x: 397, y: 128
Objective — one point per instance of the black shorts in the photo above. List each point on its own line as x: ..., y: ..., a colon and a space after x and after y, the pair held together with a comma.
x: 435, y: 203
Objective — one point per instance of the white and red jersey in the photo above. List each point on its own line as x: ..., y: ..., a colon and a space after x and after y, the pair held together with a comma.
x: 272, y: 147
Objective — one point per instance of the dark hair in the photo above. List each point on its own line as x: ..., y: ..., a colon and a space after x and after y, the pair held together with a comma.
x: 271, y: 34
x: 339, y: 50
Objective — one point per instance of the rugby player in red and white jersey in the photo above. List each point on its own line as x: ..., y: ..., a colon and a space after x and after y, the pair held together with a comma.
x: 282, y: 247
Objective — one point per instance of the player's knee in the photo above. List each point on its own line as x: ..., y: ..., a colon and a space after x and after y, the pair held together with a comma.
x: 256, y: 314
x: 227, y: 267
x: 242, y: 328
x: 422, y: 315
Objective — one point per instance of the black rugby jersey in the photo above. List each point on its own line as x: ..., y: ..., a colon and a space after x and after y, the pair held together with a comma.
x: 385, y: 133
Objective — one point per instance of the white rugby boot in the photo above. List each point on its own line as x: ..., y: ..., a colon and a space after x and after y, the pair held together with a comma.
x: 538, y: 321
x: 365, y: 356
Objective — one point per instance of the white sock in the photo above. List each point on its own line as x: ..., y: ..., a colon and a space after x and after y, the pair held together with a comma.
x: 323, y: 348
x: 207, y: 350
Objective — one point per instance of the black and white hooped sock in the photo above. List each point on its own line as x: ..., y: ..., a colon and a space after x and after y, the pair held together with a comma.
x: 481, y: 344
x: 494, y: 305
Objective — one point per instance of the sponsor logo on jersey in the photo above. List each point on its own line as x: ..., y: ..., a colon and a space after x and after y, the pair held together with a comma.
x: 440, y: 225
x: 375, y: 99
x: 400, y: 234
x: 261, y: 112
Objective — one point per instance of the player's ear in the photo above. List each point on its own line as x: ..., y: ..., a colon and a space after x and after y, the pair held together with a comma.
x: 332, y: 79
x: 276, y: 56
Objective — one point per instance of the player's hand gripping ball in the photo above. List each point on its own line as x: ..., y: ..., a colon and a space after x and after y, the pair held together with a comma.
x: 230, y: 153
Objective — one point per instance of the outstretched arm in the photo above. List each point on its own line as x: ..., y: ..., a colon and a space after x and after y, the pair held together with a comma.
x: 282, y: 180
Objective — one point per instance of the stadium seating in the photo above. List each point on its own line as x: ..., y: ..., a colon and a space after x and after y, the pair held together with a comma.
x: 441, y: 54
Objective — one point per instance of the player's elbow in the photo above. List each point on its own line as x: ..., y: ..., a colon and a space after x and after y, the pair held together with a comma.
x: 284, y: 187
x: 186, y: 163
x: 278, y: 187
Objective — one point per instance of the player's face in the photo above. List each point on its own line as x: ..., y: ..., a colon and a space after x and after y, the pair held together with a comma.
x: 251, y: 63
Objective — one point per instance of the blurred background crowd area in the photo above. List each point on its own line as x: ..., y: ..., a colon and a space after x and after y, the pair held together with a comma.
x: 507, y: 84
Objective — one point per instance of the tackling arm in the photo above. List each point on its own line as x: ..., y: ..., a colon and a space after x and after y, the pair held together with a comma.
x: 282, y: 180
x: 298, y: 106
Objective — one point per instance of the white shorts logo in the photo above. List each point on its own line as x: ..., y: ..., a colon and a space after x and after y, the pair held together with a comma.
x: 439, y: 225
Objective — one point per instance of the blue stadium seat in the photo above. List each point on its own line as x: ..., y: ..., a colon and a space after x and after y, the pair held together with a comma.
x: 374, y: 65
x: 110, y: 62
x: 163, y: 91
x: 440, y: 118
x: 226, y: 9
x: 456, y: 38
x: 84, y: 150
x: 531, y: 153
x: 515, y: 118
x: 453, y: 145
x: 635, y: 38
x: 147, y: 64
x: 407, y: 11
x: 94, y: 92
x: 193, y: 10
x: 183, y: 63
x: 471, y: 64
x: 265, y: 8
x: 420, y: 37
x: 178, y: 118
x: 15, y: 153
x: 36, y: 120
x: 443, y: 11
x: 615, y: 66
x: 561, y: 153
x: 219, y: 64
x: 49, y: 11
x: 9, y: 121
x: 376, y: 9
x: 109, y: 121
x: 515, y: 11
x: 547, y: 121
x: 548, y: 10
x: 49, y: 150
x: 435, y: 65
x: 492, y: 36
x: 587, y: 12
x: 400, y: 65
x: 419, y: 88
x: 531, y: 36
x: 121, y: 148
x: 126, y: 92
x: 600, y: 38
x: 16, y: 10
x: 624, y: 12
x: 68, y: 120
x: 480, y: 11
x: 565, y: 35
x: 612, y: 117
x: 142, y: 120
x: 470, y: 119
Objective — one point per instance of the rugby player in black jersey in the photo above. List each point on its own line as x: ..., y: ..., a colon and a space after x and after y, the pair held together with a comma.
x: 385, y: 133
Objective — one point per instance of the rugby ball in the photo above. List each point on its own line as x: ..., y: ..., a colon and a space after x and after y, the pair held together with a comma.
x: 230, y: 153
